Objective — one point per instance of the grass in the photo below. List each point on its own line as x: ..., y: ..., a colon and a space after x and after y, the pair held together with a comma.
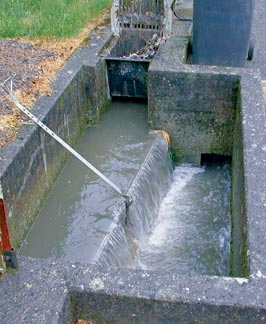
x: 47, y: 18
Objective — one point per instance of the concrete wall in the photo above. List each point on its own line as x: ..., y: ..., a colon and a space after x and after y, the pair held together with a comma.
x: 109, y: 308
x: 239, y: 248
x: 197, y: 109
x: 98, y: 92
x: 33, y: 161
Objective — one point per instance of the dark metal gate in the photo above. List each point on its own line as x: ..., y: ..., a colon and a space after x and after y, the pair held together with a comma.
x: 127, y: 78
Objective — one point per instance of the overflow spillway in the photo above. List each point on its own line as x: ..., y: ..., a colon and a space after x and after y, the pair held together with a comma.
x: 147, y: 191
x: 81, y: 220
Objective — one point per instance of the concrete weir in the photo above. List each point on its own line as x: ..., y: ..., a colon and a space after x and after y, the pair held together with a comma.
x: 206, y: 110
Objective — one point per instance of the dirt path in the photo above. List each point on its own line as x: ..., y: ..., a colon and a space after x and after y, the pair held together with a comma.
x: 33, y: 66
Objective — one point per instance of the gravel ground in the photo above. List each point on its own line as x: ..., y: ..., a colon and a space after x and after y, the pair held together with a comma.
x: 23, y: 61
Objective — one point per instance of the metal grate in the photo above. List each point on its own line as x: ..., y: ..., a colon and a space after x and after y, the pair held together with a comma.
x: 141, y: 14
x: 141, y: 7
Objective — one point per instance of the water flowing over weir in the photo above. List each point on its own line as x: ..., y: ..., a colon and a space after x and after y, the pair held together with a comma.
x: 192, y: 231
x: 188, y: 232
x: 147, y: 191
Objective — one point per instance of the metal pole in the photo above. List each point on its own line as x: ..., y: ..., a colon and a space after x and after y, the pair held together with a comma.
x: 9, y: 252
x: 4, y: 229
x: 60, y: 141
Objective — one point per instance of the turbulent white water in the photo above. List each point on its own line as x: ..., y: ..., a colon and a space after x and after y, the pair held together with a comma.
x: 192, y: 230
x: 188, y: 231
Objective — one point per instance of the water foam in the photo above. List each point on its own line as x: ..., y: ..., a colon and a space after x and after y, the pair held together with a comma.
x: 192, y: 230
x: 166, y: 215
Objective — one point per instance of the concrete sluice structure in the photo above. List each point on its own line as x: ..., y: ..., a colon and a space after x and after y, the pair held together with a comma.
x: 206, y: 110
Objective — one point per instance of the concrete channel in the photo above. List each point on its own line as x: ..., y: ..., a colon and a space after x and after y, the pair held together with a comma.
x: 206, y: 110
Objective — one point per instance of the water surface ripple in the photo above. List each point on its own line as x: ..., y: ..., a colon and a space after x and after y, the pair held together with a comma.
x: 76, y: 215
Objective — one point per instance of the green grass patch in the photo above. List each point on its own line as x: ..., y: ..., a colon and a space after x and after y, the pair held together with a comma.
x: 47, y: 18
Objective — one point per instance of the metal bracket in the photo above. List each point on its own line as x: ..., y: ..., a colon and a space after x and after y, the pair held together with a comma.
x: 11, y: 259
x: 128, y: 201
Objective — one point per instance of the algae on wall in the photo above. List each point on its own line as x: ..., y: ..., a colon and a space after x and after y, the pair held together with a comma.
x: 239, y: 243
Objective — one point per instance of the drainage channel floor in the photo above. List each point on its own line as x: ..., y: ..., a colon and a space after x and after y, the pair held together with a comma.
x: 77, y: 212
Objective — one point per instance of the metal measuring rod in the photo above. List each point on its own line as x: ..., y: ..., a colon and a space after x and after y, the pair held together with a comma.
x: 62, y: 142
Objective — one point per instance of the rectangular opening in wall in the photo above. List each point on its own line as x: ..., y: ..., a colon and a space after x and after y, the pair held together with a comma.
x: 214, y: 159
x: 128, y: 60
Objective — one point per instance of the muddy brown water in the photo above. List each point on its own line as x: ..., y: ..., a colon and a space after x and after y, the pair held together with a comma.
x: 77, y: 212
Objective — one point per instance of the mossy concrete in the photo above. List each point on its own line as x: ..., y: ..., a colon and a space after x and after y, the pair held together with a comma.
x: 239, y: 243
